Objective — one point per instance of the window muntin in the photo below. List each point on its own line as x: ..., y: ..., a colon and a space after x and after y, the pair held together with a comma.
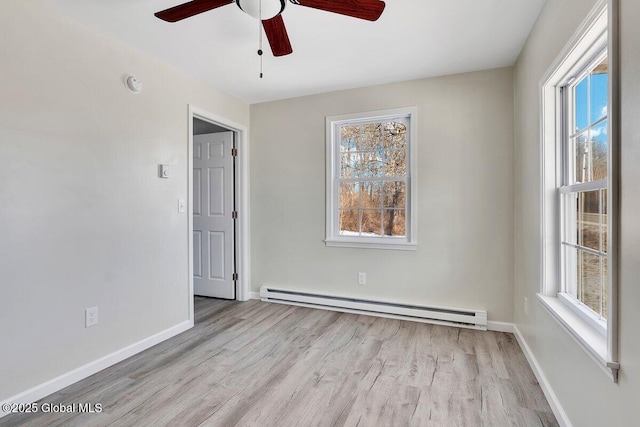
x: 584, y: 191
x: 370, y: 197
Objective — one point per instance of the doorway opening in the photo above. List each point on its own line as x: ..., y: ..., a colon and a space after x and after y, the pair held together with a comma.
x: 217, y: 220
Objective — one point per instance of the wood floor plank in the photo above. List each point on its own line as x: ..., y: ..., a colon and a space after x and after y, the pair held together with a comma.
x: 262, y: 364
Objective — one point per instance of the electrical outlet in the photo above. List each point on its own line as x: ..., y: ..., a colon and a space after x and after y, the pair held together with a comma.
x: 362, y: 278
x: 526, y: 306
x: 90, y: 317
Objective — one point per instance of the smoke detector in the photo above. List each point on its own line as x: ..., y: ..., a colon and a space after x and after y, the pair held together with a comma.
x: 133, y: 84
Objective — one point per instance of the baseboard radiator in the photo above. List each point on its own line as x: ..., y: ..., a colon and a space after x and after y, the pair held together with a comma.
x: 474, y: 319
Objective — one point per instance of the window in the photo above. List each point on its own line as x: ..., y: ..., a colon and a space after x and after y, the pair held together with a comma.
x: 579, y: 194
x: 583, y: 193
x: 371, y: 180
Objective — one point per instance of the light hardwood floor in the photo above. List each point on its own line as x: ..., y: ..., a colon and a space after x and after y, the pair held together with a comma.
x: 262, y: 364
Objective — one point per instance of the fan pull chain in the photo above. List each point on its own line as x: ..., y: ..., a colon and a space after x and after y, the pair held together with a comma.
x: 260, y: 38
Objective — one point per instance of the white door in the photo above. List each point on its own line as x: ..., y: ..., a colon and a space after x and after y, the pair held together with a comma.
x: 213, y: 223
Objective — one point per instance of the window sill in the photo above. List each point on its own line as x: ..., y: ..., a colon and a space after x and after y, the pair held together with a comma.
x: 589, y: 339
x: 372, y: 244
x: 579, y: 309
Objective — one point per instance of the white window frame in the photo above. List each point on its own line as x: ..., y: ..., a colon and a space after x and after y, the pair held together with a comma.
x: 333, y: 237
x: 598, y: 338
x: 567, y: 187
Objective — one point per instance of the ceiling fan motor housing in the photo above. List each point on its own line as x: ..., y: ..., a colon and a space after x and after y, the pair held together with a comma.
x: 262, y: 9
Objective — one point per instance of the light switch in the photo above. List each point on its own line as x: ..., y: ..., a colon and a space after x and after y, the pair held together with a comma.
x: 164, y: 171
x: 181, y: 205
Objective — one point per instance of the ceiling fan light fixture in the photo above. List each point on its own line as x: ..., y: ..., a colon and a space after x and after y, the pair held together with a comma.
x: 262, y: 9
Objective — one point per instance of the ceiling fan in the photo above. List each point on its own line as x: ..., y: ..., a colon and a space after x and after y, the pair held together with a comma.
x: 270, y: 13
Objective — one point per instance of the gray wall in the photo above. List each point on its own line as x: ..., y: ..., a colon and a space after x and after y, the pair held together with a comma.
x: 587, y: 395
x: 84, y: 218
x: 465, y: 202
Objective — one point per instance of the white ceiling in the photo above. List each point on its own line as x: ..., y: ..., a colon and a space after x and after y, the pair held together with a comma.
x: 412, y: 39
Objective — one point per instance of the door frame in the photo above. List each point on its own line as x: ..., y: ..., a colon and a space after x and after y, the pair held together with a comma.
x: 242, y: 200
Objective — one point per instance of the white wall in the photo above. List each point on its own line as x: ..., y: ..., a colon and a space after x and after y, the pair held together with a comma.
x: 465, y: 187
x: 586, y: 394
x: 84, y: 218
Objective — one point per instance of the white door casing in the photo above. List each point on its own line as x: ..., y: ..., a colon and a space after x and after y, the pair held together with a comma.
x: 213, y: 223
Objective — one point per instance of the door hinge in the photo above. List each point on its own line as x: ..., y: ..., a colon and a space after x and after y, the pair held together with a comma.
x: 234, y: 276
x: 234, y: 152
x: 234, y: 215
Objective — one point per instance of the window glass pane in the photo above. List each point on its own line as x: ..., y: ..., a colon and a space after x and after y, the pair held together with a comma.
x: 349, y: 222
x: 394, y: 194
x: 349, y: 137
x: 570, y: 271
x: 395, y: 163
x: 395, y: 135
x: 589, y: 290
x: 371, y: 137
x: 371, y: 222
x: 580, y: 118
x: 348, y: 196
x: 589, y: 219
x: 371, y: 194
x: 350, y: 165
x: 605, y: 236
x: 599, y: 146
x: 599, y: 91
x: 581, y: 165
x: 605, y: 281
x: 394, y: 222
x: 372, y: 164
x: 570, y: 218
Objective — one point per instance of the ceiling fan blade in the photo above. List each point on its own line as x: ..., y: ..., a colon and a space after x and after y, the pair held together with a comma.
x: 192, y: 8
x: 363, y: 9
x: 277, y: 36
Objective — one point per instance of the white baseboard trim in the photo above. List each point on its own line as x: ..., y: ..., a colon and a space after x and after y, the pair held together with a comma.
x: 500, y: 326
x: 64, y: 380
x: 555, y: 404
x: 254, y: 295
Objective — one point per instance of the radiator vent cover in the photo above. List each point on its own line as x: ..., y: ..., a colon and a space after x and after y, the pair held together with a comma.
x: 474, y: 319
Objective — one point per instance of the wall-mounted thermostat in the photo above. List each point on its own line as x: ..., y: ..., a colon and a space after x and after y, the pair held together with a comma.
x: 164, y: 171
